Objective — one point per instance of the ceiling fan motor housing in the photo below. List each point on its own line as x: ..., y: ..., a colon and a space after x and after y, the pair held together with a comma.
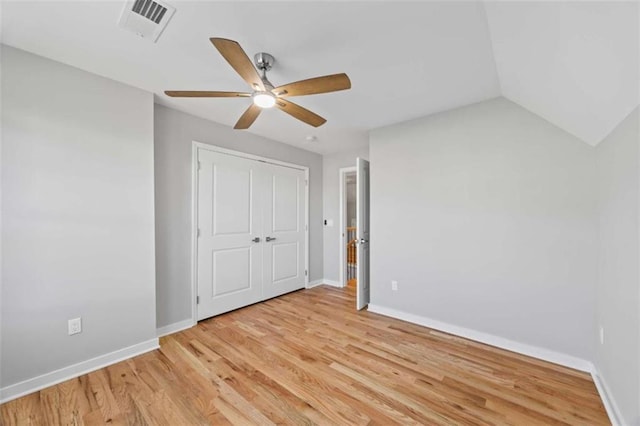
x: 264, y: 61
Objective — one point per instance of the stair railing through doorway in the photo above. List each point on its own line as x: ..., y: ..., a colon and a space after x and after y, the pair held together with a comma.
x: 351, y: 255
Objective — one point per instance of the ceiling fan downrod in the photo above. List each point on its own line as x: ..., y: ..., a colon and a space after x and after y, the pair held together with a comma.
x: 264, y: 62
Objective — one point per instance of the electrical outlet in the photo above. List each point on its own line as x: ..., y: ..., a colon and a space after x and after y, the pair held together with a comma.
x: 601, y: 335
x: 75, y: 326
x: 394, y: 285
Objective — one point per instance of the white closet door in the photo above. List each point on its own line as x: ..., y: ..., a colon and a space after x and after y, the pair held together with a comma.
x: 230, y: 216
x: 284, y: 227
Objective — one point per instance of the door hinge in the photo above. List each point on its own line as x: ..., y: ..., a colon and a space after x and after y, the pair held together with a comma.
x: 197, y: 300
x: 306, y: 182
x: 306, y: 227
x: 198, y: 232
x: 305, y: 272
x: 199, y: 165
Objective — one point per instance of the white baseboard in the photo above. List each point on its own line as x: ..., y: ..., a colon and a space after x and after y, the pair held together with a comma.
x: 28, y: 386
x: 613, y: 411
x: 489, y: 339
x: 315, y: 283
x: 332, y: 283
x: 322, y: 281
x: 175, y: 327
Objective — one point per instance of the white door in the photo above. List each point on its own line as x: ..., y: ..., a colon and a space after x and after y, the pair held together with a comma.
x: 362, y: 228
x: 230, y: 209
x: 284, y: 230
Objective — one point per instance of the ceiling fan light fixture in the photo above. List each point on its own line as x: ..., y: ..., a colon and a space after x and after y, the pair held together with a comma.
x: 264, y: 99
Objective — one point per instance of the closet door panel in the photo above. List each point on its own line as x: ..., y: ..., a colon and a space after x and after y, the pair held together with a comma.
x: 284, y: 225
x: 230, y: 216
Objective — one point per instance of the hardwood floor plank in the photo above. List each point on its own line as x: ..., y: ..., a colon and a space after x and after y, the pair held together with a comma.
x: 309, y: 358
x: 124, y: 385
x: 266, y: 386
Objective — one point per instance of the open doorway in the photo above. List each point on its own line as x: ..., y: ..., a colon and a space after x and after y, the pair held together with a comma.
x: 348, y: 231
x: 354, y: 230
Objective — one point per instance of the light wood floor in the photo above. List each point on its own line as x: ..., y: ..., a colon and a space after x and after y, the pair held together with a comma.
x: 309, y: 357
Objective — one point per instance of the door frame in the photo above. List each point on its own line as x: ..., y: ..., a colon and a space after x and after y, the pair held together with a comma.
x: 195, y: 146
x: 342, y: 172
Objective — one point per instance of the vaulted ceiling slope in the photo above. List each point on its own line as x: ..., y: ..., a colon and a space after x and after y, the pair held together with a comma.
x: 575, y: 64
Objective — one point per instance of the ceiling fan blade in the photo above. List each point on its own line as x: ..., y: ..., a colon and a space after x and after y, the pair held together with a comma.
x: 312, y: 86
x: 249, y: 116
x: 300, y: 113
x: 238, y: 59
x: 204, y: 94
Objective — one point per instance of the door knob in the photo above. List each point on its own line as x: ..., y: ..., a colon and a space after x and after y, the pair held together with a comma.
x: 270, y: 239
x: 362, y: 241
x: 256, y: 240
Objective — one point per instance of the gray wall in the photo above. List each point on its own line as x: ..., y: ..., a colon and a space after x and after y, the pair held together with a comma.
x: 498, y: 230
x: 77, y: 209
x: 618, y: 288
x: 332, y: 164
x: 174, y: 133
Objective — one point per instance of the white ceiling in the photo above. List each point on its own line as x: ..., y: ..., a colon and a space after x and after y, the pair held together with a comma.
x: 570, y: 63
x: 575, y: 64
x: 404, y: 60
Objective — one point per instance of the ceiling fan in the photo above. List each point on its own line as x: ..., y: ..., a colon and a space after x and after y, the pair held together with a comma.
x: 264, y: 94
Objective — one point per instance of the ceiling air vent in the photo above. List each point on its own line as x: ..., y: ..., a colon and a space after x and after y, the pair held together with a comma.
x: 146, y: 18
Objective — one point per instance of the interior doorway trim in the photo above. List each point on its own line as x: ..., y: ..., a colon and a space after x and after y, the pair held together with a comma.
x: 194, y: 210
x: 343, y: 171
